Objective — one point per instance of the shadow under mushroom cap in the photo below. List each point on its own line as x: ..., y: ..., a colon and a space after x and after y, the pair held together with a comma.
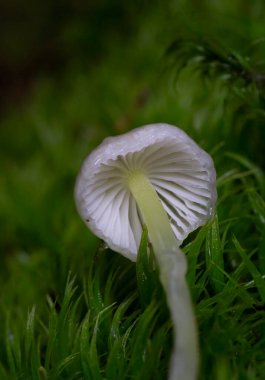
x: 182, y: 174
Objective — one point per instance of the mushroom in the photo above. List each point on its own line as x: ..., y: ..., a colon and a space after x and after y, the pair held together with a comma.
x: 157, y: 176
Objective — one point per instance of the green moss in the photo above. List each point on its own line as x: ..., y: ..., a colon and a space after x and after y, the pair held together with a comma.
x: 108, y: 319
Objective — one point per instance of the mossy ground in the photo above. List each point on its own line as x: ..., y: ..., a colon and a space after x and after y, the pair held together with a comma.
x: 69, y: 307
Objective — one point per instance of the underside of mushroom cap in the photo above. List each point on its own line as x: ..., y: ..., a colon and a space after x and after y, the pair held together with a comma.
x: 182, y: 174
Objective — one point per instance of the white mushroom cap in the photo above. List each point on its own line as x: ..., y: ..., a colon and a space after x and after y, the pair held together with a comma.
x: 182, y: 174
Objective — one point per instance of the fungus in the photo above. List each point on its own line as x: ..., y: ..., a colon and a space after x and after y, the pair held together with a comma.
x: 157, y: 176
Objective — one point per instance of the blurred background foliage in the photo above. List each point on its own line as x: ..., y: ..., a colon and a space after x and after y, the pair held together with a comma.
x: 74, y: 72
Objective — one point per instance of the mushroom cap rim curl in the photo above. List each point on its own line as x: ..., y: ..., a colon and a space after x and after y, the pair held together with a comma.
x: 175, y: 165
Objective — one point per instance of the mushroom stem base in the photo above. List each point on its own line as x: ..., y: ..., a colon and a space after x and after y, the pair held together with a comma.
x: 173, y: 266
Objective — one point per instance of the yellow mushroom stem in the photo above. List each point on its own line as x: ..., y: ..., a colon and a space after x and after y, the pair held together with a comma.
x: 172, y: 264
